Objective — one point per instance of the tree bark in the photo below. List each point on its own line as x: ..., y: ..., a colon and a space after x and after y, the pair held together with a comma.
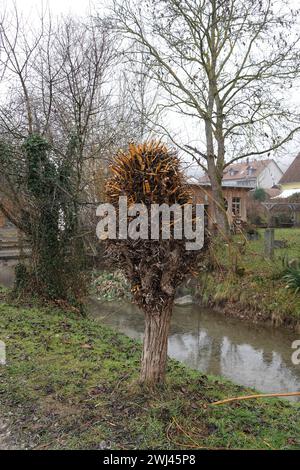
x: 216, y: 183
x: 155, y: 346
x: 218, y: 202
x: 214, y: 133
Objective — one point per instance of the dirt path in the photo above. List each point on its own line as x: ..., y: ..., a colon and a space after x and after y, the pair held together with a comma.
x: 6, y: 441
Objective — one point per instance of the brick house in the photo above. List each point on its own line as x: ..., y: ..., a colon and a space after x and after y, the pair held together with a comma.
x: 235, y: 201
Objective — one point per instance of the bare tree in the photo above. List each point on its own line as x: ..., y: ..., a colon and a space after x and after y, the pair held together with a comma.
x: 65, y: 82
x: 57, y: 85
x: 141, y: 95
x: 18, y: 55
x: 226, y: 64
x: 57, y: 101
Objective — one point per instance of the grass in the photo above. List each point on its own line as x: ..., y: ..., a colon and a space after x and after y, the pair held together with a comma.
x: 71, y: 383
x: 245, y: 281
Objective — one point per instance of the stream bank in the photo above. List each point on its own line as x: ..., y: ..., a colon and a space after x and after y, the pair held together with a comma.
x: 252, y: 355
x: 242, y: 282
x: 251, y: 299
x: 71, y: 383
x: 255, y: 298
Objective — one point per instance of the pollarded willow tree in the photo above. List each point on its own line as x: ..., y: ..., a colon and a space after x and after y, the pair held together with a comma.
x: 150, y: 174
x: 228, y: 65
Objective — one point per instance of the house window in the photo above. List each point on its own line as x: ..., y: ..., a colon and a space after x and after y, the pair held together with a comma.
x: 236, y: 205
x: 225, y: 204
x: 250, y: 170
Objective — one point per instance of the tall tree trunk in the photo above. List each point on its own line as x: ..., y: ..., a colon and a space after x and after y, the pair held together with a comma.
x: 155, y: 346
x: 219, y: 204
x: 215, y: 161
x: 216, y: 183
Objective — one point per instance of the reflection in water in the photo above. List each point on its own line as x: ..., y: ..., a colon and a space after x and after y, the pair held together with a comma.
x: 252, y: 355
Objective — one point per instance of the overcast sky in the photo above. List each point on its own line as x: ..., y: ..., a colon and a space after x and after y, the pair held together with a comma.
x: 32, y: 8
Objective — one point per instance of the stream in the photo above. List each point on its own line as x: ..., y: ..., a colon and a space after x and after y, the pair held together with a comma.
x: 257, y: 356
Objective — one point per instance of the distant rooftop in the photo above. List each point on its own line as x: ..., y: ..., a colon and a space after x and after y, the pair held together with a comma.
x: 292, y: 174
x: 193, y: 181
x: 287, y: 193
x: 242, y: 170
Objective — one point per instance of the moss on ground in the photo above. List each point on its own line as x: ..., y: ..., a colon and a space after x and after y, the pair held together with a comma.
x: 71, y: 383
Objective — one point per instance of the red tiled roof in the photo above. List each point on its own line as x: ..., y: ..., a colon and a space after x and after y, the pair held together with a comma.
x: 240, y: 170
x: 292, y: 174
x: 272, y: 192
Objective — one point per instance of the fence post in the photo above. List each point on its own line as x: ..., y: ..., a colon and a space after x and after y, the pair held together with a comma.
x: 2, y: 353
x: 269, y: 243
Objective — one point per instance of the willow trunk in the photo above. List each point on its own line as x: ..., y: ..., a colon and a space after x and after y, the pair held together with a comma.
x: 155, y: 346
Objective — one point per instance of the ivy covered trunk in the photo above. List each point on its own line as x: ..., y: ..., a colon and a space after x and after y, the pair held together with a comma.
x: 155, y: 345
x: 50, y: 220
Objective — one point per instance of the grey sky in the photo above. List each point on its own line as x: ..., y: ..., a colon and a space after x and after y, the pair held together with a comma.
x: 31, y: 10
x: 66, y: 7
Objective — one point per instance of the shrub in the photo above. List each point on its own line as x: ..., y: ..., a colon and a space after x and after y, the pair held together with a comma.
x: 292, y: 278
x: 259, y: 195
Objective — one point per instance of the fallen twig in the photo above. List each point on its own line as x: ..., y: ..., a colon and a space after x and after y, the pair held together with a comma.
x: 262, y: 395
